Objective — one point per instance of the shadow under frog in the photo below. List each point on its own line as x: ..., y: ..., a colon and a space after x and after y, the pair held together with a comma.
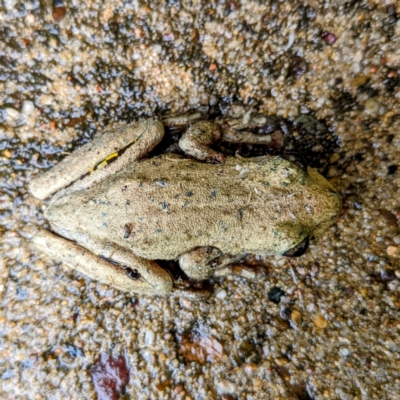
x: 109, y: 220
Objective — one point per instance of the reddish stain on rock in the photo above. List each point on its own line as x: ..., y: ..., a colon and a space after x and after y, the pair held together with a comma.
x: 197, y: 346
x: 329, y: 37
x: 110, y: 376
x: 59, y: 14
x: 75, y: 121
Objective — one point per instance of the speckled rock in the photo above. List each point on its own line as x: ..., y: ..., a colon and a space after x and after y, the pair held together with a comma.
x: 102, y: 64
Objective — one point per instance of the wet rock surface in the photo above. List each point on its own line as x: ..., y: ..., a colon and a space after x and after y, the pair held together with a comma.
x: 327, y: 76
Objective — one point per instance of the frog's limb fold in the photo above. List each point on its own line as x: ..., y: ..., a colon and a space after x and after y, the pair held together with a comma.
x: 119, y: 268
x: 200, y: 263
x: 196, y: 142
x: 131, y: 142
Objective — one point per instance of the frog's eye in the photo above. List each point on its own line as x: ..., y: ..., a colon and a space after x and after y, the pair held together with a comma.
x: 297, y: 160
x: 132, y: 273
x: 298, y: 250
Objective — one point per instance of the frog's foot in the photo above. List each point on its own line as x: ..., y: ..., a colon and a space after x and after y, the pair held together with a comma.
x: 102, y: 157
x: 241, y: 130
x: 194, y: 294
x: 196, y: 142
x: 256, y: 273
x: 200, y: 263
x: 122, y: 270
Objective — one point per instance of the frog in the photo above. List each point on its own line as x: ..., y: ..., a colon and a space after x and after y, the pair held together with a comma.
x: 113, y: 210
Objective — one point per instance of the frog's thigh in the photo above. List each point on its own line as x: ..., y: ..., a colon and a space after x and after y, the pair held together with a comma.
x: 127, y: 144
x: 196, y: 142
x: 125, y: 271
x: 200, y: 263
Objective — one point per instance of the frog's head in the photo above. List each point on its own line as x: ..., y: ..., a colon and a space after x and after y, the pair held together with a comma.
x: 319, y: 209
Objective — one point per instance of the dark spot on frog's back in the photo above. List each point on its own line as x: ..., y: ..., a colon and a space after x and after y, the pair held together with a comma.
x: 128, y: 230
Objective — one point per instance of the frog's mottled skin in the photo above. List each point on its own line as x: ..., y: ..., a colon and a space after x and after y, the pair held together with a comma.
x: 171, y: 205
x: 167, y: 206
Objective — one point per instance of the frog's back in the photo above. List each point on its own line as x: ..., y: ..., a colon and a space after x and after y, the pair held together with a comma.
x: 167, y: 205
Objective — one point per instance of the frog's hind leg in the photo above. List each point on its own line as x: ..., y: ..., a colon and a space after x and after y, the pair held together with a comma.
x: 115, y: 266
x: 204, y: 262
x: 196, y: 142
x: 241, y: 131
x: 91, y: 163
x: 200, y: 263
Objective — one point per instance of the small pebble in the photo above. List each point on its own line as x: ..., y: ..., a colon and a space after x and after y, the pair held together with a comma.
x: 11, y: 115
x: 296, y: 317
x: 226, y: 397
x: 27, y: 107
x: 389, y: 217
x: 9, y: 4
x: 149, y: 337
x: 320, y: 322
x: 250, y: 368
x: 391, y: 250
x: 371, y: 106
x: 107, y: 14
x: 332, y: 172
x: 360, y: 80
x: 178, y: 389
x: 356, y: 68
x: 357, y: 57
x: 329, y: 37
x: 59, y: 14
x: 387, y: 275
x: 30, y: 19
x: 185, y: 303
x: 302, y: 271
x: 334, y: 157
x: 221, y: 294
x: 396, y: 239
x: 298, y: 66
x: 226, y: 386
x: 281, y: 361
x: 344, y: 352
x: 275, y: 295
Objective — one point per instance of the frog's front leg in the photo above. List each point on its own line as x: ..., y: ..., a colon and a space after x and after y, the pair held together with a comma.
x: 123, y: 146
x: 115, y: 266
